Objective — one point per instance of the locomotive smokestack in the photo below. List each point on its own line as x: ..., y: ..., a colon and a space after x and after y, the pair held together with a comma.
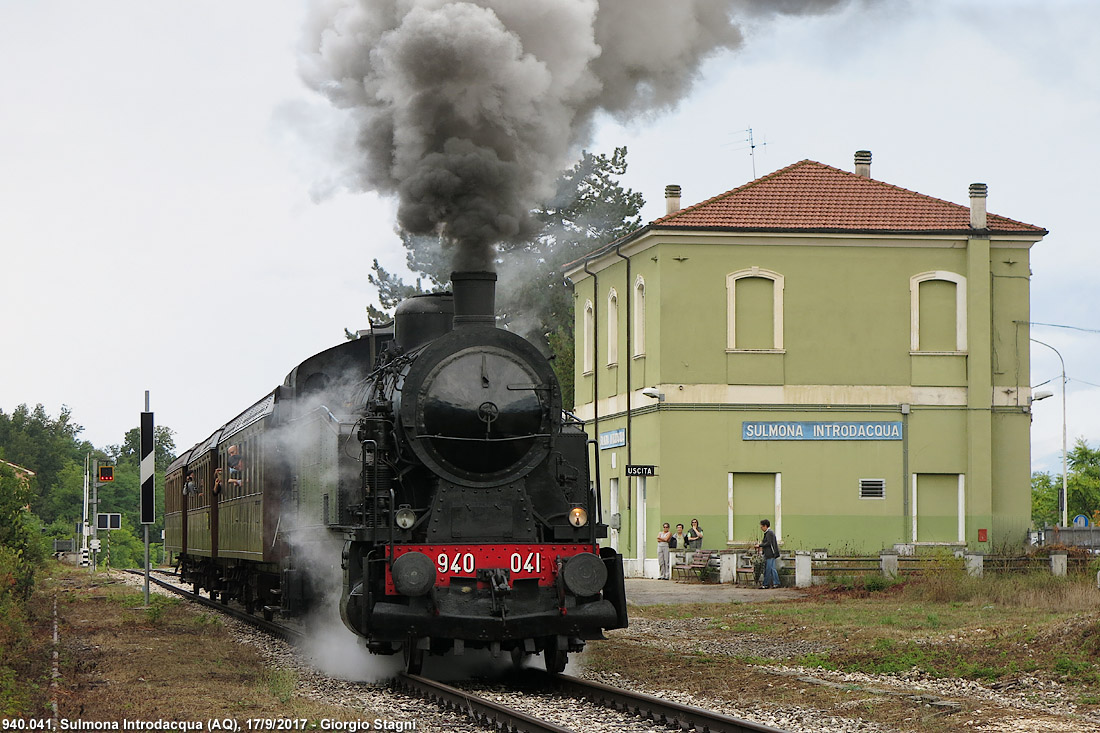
x: 475, y: 298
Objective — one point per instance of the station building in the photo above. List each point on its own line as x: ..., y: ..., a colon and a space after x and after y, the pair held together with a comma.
x: 844, y: 357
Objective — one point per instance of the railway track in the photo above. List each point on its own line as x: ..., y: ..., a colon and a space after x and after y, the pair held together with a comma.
x: 278, y: 630
x: 502, y: 717
x: 574, y: 690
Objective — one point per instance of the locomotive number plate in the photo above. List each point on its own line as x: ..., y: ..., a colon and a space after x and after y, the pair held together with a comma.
x: 521, y: 561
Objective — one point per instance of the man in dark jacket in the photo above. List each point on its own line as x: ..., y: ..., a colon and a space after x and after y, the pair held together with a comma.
x: 770, y: 547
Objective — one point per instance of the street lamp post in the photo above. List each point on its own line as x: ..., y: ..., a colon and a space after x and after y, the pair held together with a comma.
x: 1065, y: 496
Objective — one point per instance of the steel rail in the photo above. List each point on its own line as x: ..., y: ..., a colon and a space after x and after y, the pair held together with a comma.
x: 653, y: 708
x: 664, y: 712
x: 481, y: 710
x: 282, y: 632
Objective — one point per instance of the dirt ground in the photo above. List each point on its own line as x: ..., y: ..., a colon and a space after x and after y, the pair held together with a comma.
x: 168, y: 662
x: 649, y: 592
x: 712, y: 651
x: 119, y: 661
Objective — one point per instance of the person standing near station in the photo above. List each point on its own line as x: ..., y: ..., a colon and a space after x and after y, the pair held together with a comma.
x: 664, y: 570
x: 770, y: 548
x: 695, y: 536
x: 679, y: 540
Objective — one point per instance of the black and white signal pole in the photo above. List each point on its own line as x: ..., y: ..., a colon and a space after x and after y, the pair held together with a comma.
x: 148, y: 472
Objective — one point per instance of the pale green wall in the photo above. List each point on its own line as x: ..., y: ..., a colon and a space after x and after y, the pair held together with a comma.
x: 846, y: 316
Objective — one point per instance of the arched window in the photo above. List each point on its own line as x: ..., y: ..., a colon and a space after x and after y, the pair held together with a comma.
x: 589, y: 337
x: 612, y: 328
x: 754, y: 310
x: 937, y: 308
x: 639, y: 317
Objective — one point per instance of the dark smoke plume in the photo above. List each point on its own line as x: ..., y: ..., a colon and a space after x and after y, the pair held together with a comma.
x: 466, y: 111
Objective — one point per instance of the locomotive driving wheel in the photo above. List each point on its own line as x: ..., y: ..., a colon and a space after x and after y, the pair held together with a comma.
x: 555, y: 655
x: 414, y: 656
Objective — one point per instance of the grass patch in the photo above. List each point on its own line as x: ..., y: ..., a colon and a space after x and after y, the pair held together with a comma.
x: 168, y: 661
x: 945, y: 624
x: 25, y: 616
x: 156, y: 609
x: 281, y: 683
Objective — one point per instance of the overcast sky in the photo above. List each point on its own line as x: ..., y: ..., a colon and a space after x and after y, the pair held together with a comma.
x: 170, y: 220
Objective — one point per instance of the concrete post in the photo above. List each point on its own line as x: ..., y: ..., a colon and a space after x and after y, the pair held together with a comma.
x: 803, y: 569
x: 727, y: 568
x: 1058, y: 564
x: 888, y: 561
x: 975, y: 564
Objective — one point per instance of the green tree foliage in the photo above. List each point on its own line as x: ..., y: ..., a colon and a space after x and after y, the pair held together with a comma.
x: 15, y: 500
x: 50, y: 448
x: 1044, y: 499
x: 123, y: 495
x: 123, y: 548
x: 588, y: 209
x: 129, y: 453
x: 1083, y: 484
x: 1082, y: 487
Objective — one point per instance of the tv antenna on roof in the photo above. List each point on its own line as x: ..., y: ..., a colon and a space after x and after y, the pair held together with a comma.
x: 751, y: 147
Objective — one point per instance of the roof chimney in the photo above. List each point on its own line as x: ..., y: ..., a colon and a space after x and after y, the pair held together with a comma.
x: 672, y: 199
x: 863, y: 163
x: 978, y: 193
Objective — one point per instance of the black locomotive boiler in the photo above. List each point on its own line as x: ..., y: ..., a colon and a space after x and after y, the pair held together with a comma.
x: 430, y: 472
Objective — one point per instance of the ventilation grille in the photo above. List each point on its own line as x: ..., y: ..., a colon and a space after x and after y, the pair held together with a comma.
x: 872, y: 488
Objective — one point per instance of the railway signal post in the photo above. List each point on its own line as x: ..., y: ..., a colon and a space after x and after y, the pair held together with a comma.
x: 148, y: 465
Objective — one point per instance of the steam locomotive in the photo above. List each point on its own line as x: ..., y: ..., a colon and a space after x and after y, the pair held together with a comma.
x: 428, y: 473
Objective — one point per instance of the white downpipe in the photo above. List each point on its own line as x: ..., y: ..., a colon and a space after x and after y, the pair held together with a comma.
x: 962, y: 507
x: 779, y: 507
x: 729, y: 506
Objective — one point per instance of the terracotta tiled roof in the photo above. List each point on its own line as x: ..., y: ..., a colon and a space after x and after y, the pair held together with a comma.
x: 813, y: 196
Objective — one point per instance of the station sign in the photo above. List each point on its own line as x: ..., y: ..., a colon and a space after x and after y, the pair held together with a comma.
x: 639, y: 470
x: 821, y: 430
x: 613, y: 439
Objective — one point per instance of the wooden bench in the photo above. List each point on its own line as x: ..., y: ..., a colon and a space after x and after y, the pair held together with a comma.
x: 700, y: 564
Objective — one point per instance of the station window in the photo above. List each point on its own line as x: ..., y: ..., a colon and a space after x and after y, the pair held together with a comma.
x: 938, y: 312
x: 612, y: 328
x: 754, y: 310
x: 589, y: 337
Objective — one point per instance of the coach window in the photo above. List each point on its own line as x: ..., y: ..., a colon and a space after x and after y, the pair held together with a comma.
x: 612, y: 328
x: 257, y: 465
x: 754, y: 310
x: 251, y: 485
x: 937, y: 313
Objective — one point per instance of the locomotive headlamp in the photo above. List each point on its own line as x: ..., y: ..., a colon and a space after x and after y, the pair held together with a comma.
x: 405, y: 517
x: 578, y: 517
